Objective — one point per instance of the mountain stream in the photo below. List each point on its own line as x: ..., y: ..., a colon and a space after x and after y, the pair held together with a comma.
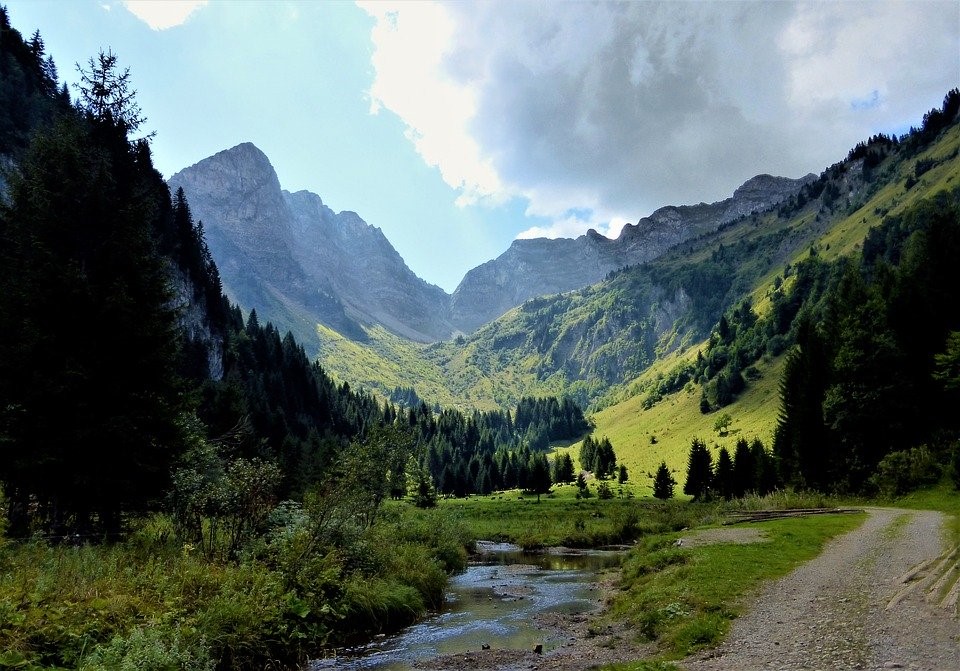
x: 492, y: 603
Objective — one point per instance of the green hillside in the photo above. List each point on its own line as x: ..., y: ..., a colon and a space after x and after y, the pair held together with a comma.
x: 675, y: 420
x: 598, y: 343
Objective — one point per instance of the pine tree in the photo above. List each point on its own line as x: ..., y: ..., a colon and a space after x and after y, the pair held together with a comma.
x: 90, y: 341
x: 744, y: 469
x: 107, y: 95
x: 699, y: 471
x: 663, y: 482
x: 765, y: 468
x: 723, y: 476
x: 538, y: 480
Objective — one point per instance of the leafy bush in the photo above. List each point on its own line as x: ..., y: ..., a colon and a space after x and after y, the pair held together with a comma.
x: 152, y: 648
x: 905, y: 470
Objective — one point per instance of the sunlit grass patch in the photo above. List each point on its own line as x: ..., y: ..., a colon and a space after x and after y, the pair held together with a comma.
x: 685, y: 599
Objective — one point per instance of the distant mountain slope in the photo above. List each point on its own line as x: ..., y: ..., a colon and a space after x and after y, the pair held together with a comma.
x: 543, y: 266
x: 593, y: 342
x: 298, y: 263
x: 590, y: 342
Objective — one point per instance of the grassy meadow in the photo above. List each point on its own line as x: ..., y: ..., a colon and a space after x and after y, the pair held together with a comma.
x: 643, y: 437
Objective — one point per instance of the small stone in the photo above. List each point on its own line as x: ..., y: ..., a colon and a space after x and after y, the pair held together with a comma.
x: 538, y: 648
x: 892, y: 665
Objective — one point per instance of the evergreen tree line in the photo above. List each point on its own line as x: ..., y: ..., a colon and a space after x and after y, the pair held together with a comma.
x: 30, y: 94
x: 482, y: 452
x: 870, y: 387
x: 598, y: 457
x: 869, y: 375
x: 751, y: 470
x: 108, y: 378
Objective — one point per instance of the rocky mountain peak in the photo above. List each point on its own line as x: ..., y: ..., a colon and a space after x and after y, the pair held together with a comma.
x: 297, y: 261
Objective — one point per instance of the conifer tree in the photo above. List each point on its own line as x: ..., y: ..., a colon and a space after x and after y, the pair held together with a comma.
x: 744, y: 469
x: 538, y: 480
x: 663, y: 482
x: 723, y: 476
x: 90, y: 337
x: 699, y: 471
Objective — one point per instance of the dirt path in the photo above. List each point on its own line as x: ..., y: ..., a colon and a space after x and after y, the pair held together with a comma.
x: 878, y: 597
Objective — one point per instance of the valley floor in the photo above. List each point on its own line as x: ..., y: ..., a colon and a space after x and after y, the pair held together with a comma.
x: 881, y: 596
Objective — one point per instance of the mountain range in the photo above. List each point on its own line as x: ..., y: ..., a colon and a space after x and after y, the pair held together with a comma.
x: 297, y: 262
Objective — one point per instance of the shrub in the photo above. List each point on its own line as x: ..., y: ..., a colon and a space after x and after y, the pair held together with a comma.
x: 902, y: 471
x: 153, y: 648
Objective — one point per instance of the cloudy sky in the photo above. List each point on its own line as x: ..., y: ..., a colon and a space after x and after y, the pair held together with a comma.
x: 457, y: 127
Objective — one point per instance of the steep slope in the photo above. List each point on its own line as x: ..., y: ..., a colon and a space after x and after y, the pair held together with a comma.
x: 592, y: 342
x: 543, y: 266
x: 654, y: 418
x: 367, y: 274
x: 297, y: 262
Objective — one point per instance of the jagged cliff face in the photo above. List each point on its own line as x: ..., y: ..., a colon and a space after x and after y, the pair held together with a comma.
x: 297, y: 262
x: 366, y: 272
x: 532, y: 268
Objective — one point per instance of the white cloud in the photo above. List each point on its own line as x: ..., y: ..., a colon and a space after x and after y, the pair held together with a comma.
x: 575, y: 225
x: 411, y: 40
x: 163, y: 14
x: 600, y: 113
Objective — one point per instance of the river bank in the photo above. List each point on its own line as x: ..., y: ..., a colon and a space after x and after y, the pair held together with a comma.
x: 504, y: 606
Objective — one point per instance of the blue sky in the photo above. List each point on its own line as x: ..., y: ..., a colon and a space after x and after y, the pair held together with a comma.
x: 457, y: 127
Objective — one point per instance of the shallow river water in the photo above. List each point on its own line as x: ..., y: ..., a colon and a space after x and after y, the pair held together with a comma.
x: 492, y: 603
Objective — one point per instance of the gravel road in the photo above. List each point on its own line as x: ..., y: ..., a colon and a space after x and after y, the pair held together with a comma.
x: 881, y: 597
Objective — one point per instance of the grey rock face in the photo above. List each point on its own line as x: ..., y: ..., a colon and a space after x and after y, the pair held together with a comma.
x: 532, y: 268
x: 297, y: 262
x: 365, y: 271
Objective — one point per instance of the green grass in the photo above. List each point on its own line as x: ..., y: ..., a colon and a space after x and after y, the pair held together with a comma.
x: 151, y: 602
x: 676, y: 420
x: 684, y: 599
x: 385, y: 362
x: 560, y: 518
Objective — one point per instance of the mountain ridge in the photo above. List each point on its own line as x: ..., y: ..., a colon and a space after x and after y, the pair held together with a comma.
x: 542, y: 266
x: 292, y: 258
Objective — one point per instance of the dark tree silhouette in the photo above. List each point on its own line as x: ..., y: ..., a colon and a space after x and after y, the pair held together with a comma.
x: 663, y: 482
x: 699, y: 471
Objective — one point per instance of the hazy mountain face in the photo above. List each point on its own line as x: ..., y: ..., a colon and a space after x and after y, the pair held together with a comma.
x: 297, y: 262
x: 532, y: 268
